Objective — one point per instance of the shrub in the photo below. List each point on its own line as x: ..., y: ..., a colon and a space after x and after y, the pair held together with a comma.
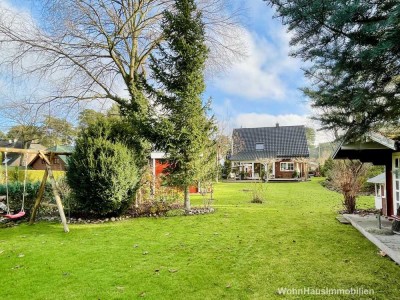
x: 162, y: 191
x: 18, y: 174
x: 175, y: 212
x: 327, y: 167
x: 166, y: 193
x: 158, y: 208
x: 347, y: 177
x: 102, y: 173
x: 258, y: 192
x: 372, y: 171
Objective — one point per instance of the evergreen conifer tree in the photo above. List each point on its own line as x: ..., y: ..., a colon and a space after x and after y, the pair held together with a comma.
x: 179, y: 69
x: 353, y: 47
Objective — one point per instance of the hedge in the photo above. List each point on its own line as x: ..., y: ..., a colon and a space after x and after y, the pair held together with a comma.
x: 18, y: 174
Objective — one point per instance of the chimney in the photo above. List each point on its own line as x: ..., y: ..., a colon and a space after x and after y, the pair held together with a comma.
x: 277, y: 125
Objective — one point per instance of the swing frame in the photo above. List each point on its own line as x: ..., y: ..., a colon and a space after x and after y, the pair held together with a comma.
x: 48, y: 175
x: 21, y: 213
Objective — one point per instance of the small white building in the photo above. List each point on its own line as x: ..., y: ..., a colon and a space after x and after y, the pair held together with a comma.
x: 380, y: 188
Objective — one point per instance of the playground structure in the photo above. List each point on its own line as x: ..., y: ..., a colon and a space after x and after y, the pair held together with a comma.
x: 47, y: 157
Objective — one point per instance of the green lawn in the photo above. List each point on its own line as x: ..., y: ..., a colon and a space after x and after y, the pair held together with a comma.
x: 242, y: 251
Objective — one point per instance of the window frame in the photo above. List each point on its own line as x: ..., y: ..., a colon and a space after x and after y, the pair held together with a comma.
x: 287, y: 169
x: 260, y: 144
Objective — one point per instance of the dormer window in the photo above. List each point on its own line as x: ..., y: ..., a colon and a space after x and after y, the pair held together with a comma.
x: 259, y: 146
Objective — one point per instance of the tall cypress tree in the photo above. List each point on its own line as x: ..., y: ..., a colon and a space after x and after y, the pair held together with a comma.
x: 179, y: 69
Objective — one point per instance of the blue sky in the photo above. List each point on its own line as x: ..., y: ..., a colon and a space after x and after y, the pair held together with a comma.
x: 260, y: 89
x: 263, y: 88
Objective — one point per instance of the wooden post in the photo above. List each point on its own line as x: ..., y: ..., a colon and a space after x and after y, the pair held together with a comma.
x: 39, y: 197
x: 389, y: 188
x: 55, y: 189
x: 306, y: 170
x: 48, y: 173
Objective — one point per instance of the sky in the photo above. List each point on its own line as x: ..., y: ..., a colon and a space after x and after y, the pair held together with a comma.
x: 262, y: 87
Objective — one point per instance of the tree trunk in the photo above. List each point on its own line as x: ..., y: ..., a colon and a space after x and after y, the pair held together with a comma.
x: 217, y: 169
x: 350, y: 203
x: 187, y: 199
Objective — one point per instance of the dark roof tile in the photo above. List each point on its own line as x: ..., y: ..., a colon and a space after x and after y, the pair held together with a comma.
x: 279, y: 141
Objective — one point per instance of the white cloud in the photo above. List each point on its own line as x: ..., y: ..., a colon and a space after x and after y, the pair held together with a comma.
x: 252, y: 120
x: 266, y: 71
x: 266, y: 120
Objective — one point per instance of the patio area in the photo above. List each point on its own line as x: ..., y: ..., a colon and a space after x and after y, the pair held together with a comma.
x: 382, y: 237
x: 269, y: 180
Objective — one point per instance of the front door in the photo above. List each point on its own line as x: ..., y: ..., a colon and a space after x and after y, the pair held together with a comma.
x: 396, y: 181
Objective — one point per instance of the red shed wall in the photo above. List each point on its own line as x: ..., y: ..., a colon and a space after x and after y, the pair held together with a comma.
x: 161, y: 165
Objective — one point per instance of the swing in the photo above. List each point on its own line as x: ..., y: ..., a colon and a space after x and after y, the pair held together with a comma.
x: 22, y: 211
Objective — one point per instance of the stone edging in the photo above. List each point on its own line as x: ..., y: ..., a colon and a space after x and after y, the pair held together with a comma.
x: 394, y: 255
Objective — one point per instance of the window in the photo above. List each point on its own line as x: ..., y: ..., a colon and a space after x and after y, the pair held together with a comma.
x: 287, y: 166
x: 379, y: 191
x: 259, y: 146
x: 56, y: 161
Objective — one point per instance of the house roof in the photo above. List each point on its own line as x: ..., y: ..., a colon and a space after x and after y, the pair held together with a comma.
x: 14, y: 159
x: 279, y: 142
x: 63, y: 148
x: 371, y: 147
x: 381, y: 178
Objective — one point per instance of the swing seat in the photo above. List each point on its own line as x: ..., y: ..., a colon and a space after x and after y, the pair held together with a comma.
x: 15, y: 216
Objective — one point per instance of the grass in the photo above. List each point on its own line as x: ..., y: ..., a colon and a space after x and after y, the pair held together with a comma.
x: 242, y: 251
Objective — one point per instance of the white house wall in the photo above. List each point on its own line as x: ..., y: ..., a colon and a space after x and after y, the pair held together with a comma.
x: 396, y: 180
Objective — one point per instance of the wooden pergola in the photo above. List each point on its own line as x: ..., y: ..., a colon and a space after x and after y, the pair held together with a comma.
x: 47, y: 157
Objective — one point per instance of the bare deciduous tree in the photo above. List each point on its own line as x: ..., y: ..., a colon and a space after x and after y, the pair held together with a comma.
x: 99, y: 49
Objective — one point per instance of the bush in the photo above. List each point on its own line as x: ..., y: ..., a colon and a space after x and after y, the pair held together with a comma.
x: 158, y: 208
x: 327, y: 167
x: 369, y: 188
x: 258, y: 192
x: 18, y: 174
x: 166, y: 193
x: 102, y: 173
x: 347, y: 177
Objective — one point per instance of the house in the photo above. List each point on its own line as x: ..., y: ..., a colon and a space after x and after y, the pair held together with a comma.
x: 380, y: 190
x: 159, y: 162
x: 378, y: 150
x: 59, y: 162
x: 14, y: 159
x: 282, y: 150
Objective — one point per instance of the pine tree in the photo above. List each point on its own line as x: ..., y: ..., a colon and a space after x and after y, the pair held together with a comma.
x: 353, y: 47
x: 179, y: 69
